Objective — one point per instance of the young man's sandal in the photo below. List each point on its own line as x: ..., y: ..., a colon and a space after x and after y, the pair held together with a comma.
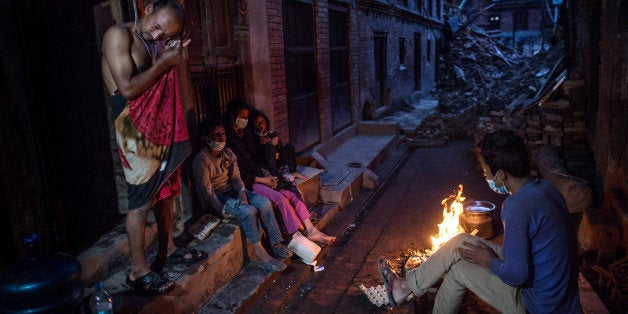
x: 385, y: 272
x: 180, y: 256
x: 150, y: 284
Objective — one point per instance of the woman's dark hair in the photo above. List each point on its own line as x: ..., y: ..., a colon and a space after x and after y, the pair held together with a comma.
x: 254, y: 114
x: 233, y: 106
x: 505, y: 150
x: 208, y: 125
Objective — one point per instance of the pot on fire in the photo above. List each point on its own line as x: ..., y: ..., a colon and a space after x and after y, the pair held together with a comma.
x: 478, y: 215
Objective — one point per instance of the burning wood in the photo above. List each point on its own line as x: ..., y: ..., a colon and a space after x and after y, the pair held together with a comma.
x: 450, y: 226
x: 447, y: 229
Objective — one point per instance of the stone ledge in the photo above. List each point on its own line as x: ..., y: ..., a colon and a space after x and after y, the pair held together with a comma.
x: 589, y: 300
x: 110, y: 253
x: 194, y: 283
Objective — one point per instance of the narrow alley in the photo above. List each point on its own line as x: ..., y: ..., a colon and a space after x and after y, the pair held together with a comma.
x: 399, y: 219
x: 132, y: 132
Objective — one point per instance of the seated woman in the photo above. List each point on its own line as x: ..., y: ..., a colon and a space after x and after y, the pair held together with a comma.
x: 275, y: 155
x: 221, y: 190
x: 296, y: 216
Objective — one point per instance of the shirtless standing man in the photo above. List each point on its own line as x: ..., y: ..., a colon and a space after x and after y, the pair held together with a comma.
x: 130, y: 65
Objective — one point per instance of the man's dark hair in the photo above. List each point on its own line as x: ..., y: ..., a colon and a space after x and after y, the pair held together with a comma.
x: 208, y: 125
x: 233, y: 106
x: 505, y: 150
x: 174, y: 5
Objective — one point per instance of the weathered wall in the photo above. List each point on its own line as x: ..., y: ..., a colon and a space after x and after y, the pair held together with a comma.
x: 611, y: 149
x: 260, y: 54
x: 401, y: 79
x: 596, y: 49
x: 277, y: 67
x: 321, y: 29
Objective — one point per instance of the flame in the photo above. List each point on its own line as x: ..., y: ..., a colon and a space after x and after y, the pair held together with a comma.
x: 450, y: 226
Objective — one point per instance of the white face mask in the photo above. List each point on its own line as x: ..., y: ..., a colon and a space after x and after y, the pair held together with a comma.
x: 241, y: 123
x: 217, y: 146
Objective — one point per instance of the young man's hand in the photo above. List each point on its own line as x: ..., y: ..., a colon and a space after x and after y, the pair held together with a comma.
x: 478, y: 253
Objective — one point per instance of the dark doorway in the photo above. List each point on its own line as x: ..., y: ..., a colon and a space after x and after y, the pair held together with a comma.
x: 339, y: 67
x: 216, y: 76
x: 417, y: 61
x: 298, y: 20
x: 381, y: 66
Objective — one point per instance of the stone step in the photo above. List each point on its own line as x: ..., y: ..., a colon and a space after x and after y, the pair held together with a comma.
x: 194, y: 283
x: 349, y: 164
x: 108, y: 260
x: 250, y: 283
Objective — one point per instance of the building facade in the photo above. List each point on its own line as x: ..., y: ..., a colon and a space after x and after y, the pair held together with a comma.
x: 517, y: 24
x: 315, y: 67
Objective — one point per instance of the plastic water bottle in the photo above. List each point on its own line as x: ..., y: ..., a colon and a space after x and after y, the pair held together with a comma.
x: 100, y: 302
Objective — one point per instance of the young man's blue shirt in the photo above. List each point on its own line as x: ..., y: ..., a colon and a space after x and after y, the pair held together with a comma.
x: 539, y: 249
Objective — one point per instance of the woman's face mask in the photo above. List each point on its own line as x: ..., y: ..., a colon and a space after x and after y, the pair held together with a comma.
x: 241, y: 123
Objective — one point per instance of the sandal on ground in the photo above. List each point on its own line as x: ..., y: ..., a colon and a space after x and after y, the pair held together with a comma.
x: 272, y: 266
x: 385, y: 272
x: 150, y: 284
x: 182, y: 255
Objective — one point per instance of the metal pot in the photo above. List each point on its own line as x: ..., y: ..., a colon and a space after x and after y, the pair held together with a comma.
x: 478, y: 215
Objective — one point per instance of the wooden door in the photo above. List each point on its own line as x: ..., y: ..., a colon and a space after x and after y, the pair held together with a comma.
x: 417, y: 61
x: 299, y: 41
x: 380, y: 47
x: 339, y: 67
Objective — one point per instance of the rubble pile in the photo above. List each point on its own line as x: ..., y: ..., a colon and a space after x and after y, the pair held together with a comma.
x: 484, y: 86
x: 478, y: 75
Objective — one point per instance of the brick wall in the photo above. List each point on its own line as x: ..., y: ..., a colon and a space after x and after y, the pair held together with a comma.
x: 321, y: 25
x: 277, y: 67
x: 362, y: 72
x: 354, y: 73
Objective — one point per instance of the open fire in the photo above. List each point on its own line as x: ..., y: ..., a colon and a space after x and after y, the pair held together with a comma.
x: 450, y: 226
x: 447, y: 229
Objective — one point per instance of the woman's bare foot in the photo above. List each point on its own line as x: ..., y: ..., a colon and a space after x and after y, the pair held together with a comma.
x: 320, y: 238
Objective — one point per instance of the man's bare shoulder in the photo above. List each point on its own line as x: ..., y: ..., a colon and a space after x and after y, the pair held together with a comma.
x: 117, y: 33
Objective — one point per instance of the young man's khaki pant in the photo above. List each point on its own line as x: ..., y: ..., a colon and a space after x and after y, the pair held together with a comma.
x: 460, y: 274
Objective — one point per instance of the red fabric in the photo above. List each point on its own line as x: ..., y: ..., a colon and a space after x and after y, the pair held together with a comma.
x: 171, y: 187
x: 123, y: 161
x: 155, y: 113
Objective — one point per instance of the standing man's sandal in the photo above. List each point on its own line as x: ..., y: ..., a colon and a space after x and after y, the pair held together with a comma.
x: 182, y: 255
x: 150, y: 284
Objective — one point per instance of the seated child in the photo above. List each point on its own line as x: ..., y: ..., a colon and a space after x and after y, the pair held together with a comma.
x: 275, y: 155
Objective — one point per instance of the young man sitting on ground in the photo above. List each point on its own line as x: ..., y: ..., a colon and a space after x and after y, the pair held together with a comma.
x: 535, y: 270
